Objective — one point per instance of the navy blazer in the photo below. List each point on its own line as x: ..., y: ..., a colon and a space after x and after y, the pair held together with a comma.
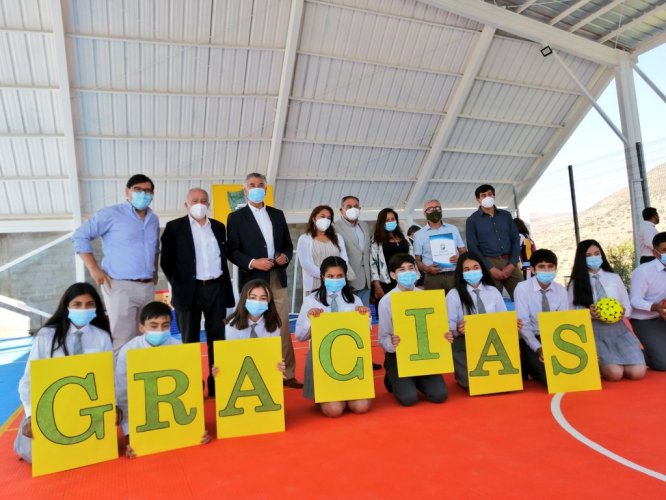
x: 246, y: 243
x: 178, y: 261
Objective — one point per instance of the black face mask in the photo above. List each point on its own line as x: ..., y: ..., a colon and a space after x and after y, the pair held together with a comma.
x: 434, y: 216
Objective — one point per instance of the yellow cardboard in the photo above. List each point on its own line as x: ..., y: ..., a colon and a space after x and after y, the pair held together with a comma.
x: 569, y: 351
x: 493, y: 355
x: 342, y: 357
x: 165, y: 398
x: 73, y: 412
x: 249, y: 394
x: 420, y: 320
x: 227, y: 197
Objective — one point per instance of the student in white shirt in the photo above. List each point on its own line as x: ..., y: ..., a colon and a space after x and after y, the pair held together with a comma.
x: 78, y: 326
x: 154, y: 331
x: 592, y: 279
x: 648, y: 230
x: 334, y: 295
x: 648, y: 302
x: 532, y: 296
x: 255, y: 317
x: 474, y: 292
x: 402, y: 267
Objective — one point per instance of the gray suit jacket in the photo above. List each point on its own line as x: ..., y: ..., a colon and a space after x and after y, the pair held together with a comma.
x: 359, y: 258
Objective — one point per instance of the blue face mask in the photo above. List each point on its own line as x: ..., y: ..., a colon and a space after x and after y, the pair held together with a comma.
x: 594, y: 261
x: 662, y: 258
x: 390, y: 226
x: 81, y: 317
x: 141, y: 200
x: 546, y: 277
x: 256, y: 195
x: 256, y: 307
x: 407, y: 279
x: 157, y: 338
x: 473, y: 277
x: 334, y: 285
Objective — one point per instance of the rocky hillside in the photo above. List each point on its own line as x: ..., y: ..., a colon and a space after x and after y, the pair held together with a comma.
x: 609, y: 221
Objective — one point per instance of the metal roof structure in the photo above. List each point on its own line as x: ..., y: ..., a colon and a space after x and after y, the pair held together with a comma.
x: 396, y: 101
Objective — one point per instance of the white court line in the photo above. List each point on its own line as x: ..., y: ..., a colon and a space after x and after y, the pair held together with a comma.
x: 560, y: 419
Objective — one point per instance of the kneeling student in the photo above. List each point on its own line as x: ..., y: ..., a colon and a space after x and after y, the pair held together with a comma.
x: 532, y: 296
x: 155, y: 331
x: 402, y: 268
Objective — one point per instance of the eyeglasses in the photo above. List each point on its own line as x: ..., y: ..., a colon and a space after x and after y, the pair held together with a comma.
x: 137, y: 189
x: 432, y: 209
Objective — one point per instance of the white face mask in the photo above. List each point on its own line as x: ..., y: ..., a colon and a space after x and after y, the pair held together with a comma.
x: 323, y: 224
x: 488, y: 202
x: 352, y: 213
x: 198, y: 211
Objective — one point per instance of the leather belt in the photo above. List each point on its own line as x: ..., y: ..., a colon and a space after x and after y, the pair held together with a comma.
x: 146, y: 280
x: 209, y: 282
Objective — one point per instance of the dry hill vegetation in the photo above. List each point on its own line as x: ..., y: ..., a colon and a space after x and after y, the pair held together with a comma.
x: 609, y: 222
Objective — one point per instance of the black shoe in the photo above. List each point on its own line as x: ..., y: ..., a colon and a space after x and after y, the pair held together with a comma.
x: 293, y: 383
x: 376, y: 366
x: 387, y: 384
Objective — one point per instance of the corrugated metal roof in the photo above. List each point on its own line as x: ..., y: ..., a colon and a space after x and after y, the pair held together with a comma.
x: 186, y: 91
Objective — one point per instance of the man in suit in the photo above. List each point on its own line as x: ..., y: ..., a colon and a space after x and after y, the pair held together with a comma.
x: 357, y: 240
x: 260, y: 245
x: 195, y: 263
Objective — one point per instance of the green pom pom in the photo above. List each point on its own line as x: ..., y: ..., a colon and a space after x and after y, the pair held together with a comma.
x: 609, y: 310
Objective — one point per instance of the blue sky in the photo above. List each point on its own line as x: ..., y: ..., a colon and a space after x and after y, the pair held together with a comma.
x: 597, y: 153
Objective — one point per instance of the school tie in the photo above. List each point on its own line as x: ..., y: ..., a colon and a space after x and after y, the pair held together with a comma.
x: 334, y: 302
x: 253, y: 331
x: 545, y: 305
x: 77, y: 348
x: 480, y: 308
x: 599, y: 289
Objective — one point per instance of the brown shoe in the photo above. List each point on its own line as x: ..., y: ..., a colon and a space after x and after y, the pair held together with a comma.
x: 293, y: 383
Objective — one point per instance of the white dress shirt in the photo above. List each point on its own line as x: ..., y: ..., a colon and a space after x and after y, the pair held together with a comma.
x: 139, y: 342
x: 613, y: 287
x: 302, y: 330
x: 233, y: 333
x: 206, y: 250
x: 93, y: 340
x: 528, y: 299
x: 266, y: 227
x: 646, y: 233
x: 490, y: 296
x: 648, y: 286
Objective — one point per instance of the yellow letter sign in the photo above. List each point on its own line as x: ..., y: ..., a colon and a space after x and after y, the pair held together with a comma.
x: 165, y: 399
x: 73, y: 419
x: 493, y: 355
x: 341, y: 357
x: 249, y: 394
x: 420, y: 320
x: 569, y: 351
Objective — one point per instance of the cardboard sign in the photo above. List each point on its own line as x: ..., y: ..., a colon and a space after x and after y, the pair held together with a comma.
x: 249, y: 398
x: 420, y: 320
x: 342, y: 357
x: 493, y: 354
x: 165, y: 400
x: 569, y: 351
x: 73, y: 412
x: 227, y: 198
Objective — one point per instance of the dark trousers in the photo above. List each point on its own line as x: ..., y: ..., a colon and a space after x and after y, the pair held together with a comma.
x: 208, y: 299
x: 652, y: 334
x: 442, y: 281
x: 405, y: 389
x: 459, y: 350
x: 509, y: 283
x: 530, y: 363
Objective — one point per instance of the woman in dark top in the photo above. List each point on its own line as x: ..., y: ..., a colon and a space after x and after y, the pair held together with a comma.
x: 386, y: 241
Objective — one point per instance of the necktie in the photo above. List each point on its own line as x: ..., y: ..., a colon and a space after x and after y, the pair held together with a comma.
x: 334, y: 302
x: 253, y: 331
x: 77, y: 348
x: 480, y: 308
x: 545, y: 305
x: 599, y: 289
